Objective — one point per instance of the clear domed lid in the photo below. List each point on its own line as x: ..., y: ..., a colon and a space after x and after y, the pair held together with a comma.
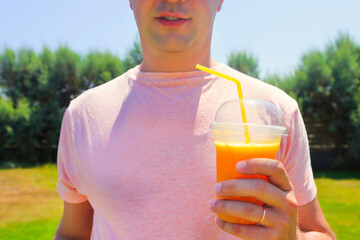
x: 259, y: 113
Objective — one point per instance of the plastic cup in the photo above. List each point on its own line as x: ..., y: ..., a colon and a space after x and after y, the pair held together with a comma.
x: 265, y: 130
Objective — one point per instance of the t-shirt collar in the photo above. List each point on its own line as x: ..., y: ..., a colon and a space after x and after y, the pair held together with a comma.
x: 168, y: 79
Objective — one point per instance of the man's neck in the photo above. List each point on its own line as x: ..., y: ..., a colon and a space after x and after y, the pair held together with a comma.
x: 175, y: 61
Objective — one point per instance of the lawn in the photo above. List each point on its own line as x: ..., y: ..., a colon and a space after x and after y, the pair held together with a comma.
x: 29, y: 205
x: 339, y: 194
x: 31, y: 209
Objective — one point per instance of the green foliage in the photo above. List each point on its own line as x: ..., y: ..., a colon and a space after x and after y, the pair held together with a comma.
x: 286, y: 83
x: 354, y: 134
x: 35, y: 91
x: 244, y: 63
x: 64, y: 78
x: 7, y: 72
x: 134, y: 56
x: 98, y: 68
x: 327, y: 86
x: 14, y: 124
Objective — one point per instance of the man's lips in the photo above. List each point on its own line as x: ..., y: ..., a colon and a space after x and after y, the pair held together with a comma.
x: 171, y: 15
x: 172, y: 19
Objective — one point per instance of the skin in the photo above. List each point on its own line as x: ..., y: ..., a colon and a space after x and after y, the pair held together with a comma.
x: 76, y: 222
x: 178, y: 50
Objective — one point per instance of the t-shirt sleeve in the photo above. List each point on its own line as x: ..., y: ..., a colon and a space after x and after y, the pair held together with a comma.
x: 67, y: 181
x: 297, y: 160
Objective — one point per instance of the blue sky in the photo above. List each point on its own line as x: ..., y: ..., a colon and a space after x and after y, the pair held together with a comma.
x: 276, y: 32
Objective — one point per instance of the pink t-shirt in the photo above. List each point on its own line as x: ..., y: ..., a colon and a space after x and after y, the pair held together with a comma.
x: 139, y: 149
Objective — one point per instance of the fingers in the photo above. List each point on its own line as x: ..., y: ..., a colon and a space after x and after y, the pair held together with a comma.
x: 246, y: 210
x: 245, y: 232
x: 257, y: 188
x: 273, y: 169
x: 277, y: 194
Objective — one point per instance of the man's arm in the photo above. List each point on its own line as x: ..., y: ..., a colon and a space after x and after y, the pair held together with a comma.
x: 312, y: 221
x: 76, y: 222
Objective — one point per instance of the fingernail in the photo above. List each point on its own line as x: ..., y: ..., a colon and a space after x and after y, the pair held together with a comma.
x: 212, y: 204
x: 241, y: 165
x: 217, y: 188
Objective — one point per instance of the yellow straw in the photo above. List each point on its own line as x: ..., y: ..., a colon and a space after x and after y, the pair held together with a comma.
x: 238, y: 85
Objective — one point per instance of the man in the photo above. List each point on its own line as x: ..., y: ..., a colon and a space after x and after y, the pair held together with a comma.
x: 137, y: 161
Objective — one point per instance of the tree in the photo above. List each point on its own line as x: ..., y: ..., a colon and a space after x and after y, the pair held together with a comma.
x: 354, y: 134
x: 133, y: 56
x: 64, y: 79
x: 17, y: 144
x: 328, y: 85
x: 244, y: 63
x: 98, y: 68
x: 36, y: 89
x: 344, y: 62
x: 287, y: 83
x: 7, y: 71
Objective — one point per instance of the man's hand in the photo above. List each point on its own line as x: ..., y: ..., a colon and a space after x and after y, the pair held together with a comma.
x: 278, y: 196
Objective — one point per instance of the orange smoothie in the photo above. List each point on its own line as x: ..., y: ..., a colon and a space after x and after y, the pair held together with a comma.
x: 228, y: 154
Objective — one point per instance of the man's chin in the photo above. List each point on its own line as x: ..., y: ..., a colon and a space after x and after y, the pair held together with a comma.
x: 173, y: 49
x: 173, y: 44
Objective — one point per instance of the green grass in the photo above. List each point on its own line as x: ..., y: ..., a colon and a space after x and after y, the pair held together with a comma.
x: 339, y: 194
x: 29, y: 205
x: 31, y: 209
x: 40, y: 229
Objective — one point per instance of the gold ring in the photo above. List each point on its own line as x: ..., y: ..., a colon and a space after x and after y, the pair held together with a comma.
x: 263, y: 217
